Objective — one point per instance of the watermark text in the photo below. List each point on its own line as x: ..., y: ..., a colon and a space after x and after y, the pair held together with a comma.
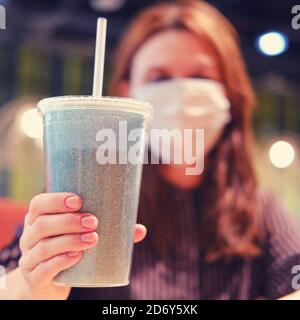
x: 296, y: 17
x: 176, y: 146
x: 2, y: 278
x: 2, y: 18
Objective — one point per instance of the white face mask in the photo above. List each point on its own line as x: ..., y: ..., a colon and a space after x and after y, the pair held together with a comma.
x: 187, y: 104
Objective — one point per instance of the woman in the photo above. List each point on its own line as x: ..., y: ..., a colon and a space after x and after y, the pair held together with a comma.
x: 213, y: 235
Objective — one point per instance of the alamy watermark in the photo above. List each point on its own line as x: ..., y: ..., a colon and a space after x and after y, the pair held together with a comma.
x: 2, y: 278
x: 296, y: 278
x: 176, y: 146
x: 296, y: 18
x: 2, y: 18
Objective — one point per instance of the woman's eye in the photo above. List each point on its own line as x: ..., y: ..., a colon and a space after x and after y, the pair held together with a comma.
x: 201, y: 77
x: 159, y: 78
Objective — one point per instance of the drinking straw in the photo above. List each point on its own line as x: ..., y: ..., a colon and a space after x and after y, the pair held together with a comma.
x: 99, y: 57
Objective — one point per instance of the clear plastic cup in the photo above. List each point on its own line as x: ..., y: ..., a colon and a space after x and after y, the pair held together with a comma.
x: 75, y: 128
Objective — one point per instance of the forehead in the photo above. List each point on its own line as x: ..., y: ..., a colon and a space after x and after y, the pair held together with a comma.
x: 174, y: 48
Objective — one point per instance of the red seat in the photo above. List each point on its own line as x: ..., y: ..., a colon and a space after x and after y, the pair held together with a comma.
x: 11, y: 216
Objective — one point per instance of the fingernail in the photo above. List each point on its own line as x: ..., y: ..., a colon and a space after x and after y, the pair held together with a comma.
x: 89, y: 222
x: 73, y: 253
x: 73, y: 202
x: 89, y: 237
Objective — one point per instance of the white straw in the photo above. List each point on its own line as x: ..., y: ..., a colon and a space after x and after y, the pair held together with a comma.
x: 99, y: 57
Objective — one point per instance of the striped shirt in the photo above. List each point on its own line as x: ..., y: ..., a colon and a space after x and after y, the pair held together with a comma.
x: 186, y: 276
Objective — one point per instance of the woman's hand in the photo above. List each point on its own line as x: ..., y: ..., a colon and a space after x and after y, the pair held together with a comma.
x: 55, y: 235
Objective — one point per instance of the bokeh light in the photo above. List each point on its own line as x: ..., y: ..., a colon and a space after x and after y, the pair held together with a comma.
x: 281, y: 154
x: 32, y: 124
x: 272, y: 43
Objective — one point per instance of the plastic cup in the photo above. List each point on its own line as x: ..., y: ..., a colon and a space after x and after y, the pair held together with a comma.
x: 74, y: 140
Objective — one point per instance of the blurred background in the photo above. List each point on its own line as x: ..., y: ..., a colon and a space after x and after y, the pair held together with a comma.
x: 47, y: 49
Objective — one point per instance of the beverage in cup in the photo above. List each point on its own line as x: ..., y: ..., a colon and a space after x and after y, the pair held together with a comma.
x: 83, y: 145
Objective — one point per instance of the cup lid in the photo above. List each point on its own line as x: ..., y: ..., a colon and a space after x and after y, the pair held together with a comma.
x: 105, y: 103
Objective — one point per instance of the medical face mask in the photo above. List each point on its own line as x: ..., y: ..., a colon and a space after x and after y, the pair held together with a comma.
x: 186, y: 104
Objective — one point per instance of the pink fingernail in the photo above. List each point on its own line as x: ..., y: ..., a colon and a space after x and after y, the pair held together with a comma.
x: 73, y: 202
x: 89, y: 222
x: 89, y: 237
